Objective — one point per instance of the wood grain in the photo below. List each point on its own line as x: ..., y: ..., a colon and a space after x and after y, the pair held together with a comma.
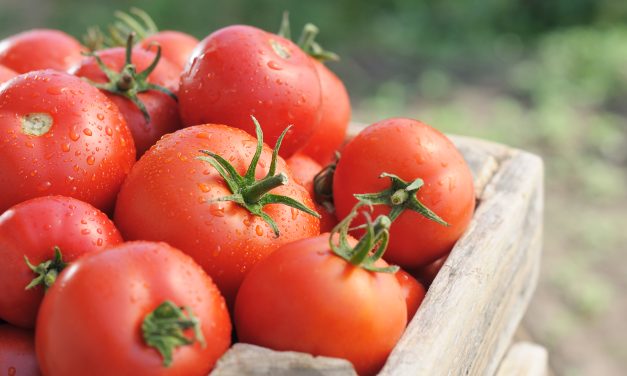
x: 524, y: 359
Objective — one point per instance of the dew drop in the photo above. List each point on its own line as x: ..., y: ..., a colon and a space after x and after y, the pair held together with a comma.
x: 87, y: 132
x: 85, y: 231
x: 100, y: 117
x: 274, y: 65
x: 91, y: 160
x: 259, y: 230
x: 217, y: 211
x: 65, y: 147
x: 44, y: 186
x: 74, y: 136
x: 204, y: 187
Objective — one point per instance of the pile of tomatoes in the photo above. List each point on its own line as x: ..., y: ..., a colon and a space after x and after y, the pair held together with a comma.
x: 147, y: 224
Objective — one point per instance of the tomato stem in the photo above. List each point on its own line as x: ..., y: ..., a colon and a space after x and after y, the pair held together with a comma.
x: 47, y: 271
x: 142, y: 25
x: 247, y: 191
x: 323, y: 185
x: 307, y: 41
x: 163, y: 329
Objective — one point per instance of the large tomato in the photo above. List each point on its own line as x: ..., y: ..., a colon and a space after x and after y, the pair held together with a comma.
x: 304, y: 297
x: 108, y: 313
x: 40, y: 49
x: 32, y: 230
x: 240, y: 71
x: 335, y: 112
x: 176, y: 46
x: 60, y: 135
x: 129, y: 90
x: 170, y: 195
x: 411, y: 150
x: 17, y: 352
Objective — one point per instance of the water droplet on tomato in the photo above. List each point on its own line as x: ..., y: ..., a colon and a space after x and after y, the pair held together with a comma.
x: 91, y: 160
x: 274, y: 65
x: 204, y: 187
x: 108, y: 131
x: 87, y: 132
x: 54, y: 90
x: 100, y: 117
x: 29, y: 144
x: 259, y: 230
x: 294, y: 213
x: 74, y: 136
x: 85, y: 231
x: 65, y: 147
x: 44, y: 186
x: 99, y: 242
x: 217, y: 211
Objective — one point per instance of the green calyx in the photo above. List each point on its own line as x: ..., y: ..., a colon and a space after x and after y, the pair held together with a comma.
x: 307, y: 40
x: 399, y: 197
x: 128, y: 83
x: 163, y: 329
x: 370, y: 247
x: 250, y: 193
x: 323, y: 185
x: 46, y: 272
x: 136, y: 21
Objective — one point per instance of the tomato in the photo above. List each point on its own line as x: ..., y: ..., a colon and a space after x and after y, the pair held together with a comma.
x: 304, y: 297
x: 59, y: 135
x: 240, y: 71
x: 105, y: 311
x: 329, y: 135
x: 6, y: 74
x: 17, y: 352
x: 411, y: 150
x: 40, y: 49
x: 427, y: 273
x: 161, y: 111
x: 413, y: 292
x: 170, y: 195
x: 304, y: 169
x: 176, y: 47
x: 33, y: 229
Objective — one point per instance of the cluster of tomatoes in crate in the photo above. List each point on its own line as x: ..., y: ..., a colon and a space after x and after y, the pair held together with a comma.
x: 146, y: 221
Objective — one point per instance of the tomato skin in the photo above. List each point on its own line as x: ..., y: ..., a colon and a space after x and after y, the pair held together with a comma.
x: 413, y: 291
x: 427, y: 273
x: 304, y: 298
x: 411, y: 150
x: 17, y: 351
x: 304, y: 169
x: 166, y: 198
x: 32, y: 229
x: 40, y: 49
x: 329, y: 135
x: 85, y: 154
x: 235, y: 73
x: 131, y: 280
x: 6, y: 74
x: 163, y: 110
x: 176, y: 46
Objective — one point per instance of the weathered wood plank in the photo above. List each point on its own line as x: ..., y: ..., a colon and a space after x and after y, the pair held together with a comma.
x: 477, y: 300
x: 524, y: 359
x: 244, y: 359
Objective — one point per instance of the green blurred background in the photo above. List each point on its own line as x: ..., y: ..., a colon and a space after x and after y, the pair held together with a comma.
x: 546, y: 76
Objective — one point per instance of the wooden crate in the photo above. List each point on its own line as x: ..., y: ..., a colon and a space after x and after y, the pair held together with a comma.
x: 466, y: 323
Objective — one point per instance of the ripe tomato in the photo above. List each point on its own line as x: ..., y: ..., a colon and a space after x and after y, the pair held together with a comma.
x: 413, y: 292
x: 303, y: 297
x: 335, y: 114
x: 170, y: 195
x: 176, y: 47
x: 304, y: 169
x: 59, y: 135
x: 40, y: 49
x: 427, y: 273
x: 6, y: 74
x: 241, y: 70
x: 161, y: 114
x: 410, y: 150
x: 99, y: 317
x: 33, y: 229
x: 17, y: 352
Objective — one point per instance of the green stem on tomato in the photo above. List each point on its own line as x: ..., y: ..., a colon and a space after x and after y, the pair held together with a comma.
x: 47, y: 271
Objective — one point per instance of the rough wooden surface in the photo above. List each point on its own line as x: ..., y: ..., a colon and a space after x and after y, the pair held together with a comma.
x: 243, y: 359
x: 467, y: 320
x: 524, y: 359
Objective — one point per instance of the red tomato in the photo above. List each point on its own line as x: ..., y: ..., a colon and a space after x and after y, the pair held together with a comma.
x: 33, y: 229
x: 410, y: 150
x: 413, y: 292
x: 176, y: 46
x: 60, y: 135
x: 304, y: 169
x: 329, y: 135
x: 17, y: 352
x: 6, y: 74
x: 162, y: 110
x: 427, y: 273
x: 240, y: 71
x: 305, y: 298
x: 93, y: 319
x: 168, y: 196
x: 40, y: 49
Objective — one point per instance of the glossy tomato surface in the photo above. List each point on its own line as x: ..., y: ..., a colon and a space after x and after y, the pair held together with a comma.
x: 6, y: 74
x: 335, y: 114
x: 413, y: 292
x: 168, y: 197
x: 305, y: 298
x: 176, y: 46
x: 239, y: 71
x: 59, y: 135
x: 17, y: 352
x: 90, y: 322
x: 32, y: 229
x: 162, y: 109
x: 40, y: 49
x: 411, y: 150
